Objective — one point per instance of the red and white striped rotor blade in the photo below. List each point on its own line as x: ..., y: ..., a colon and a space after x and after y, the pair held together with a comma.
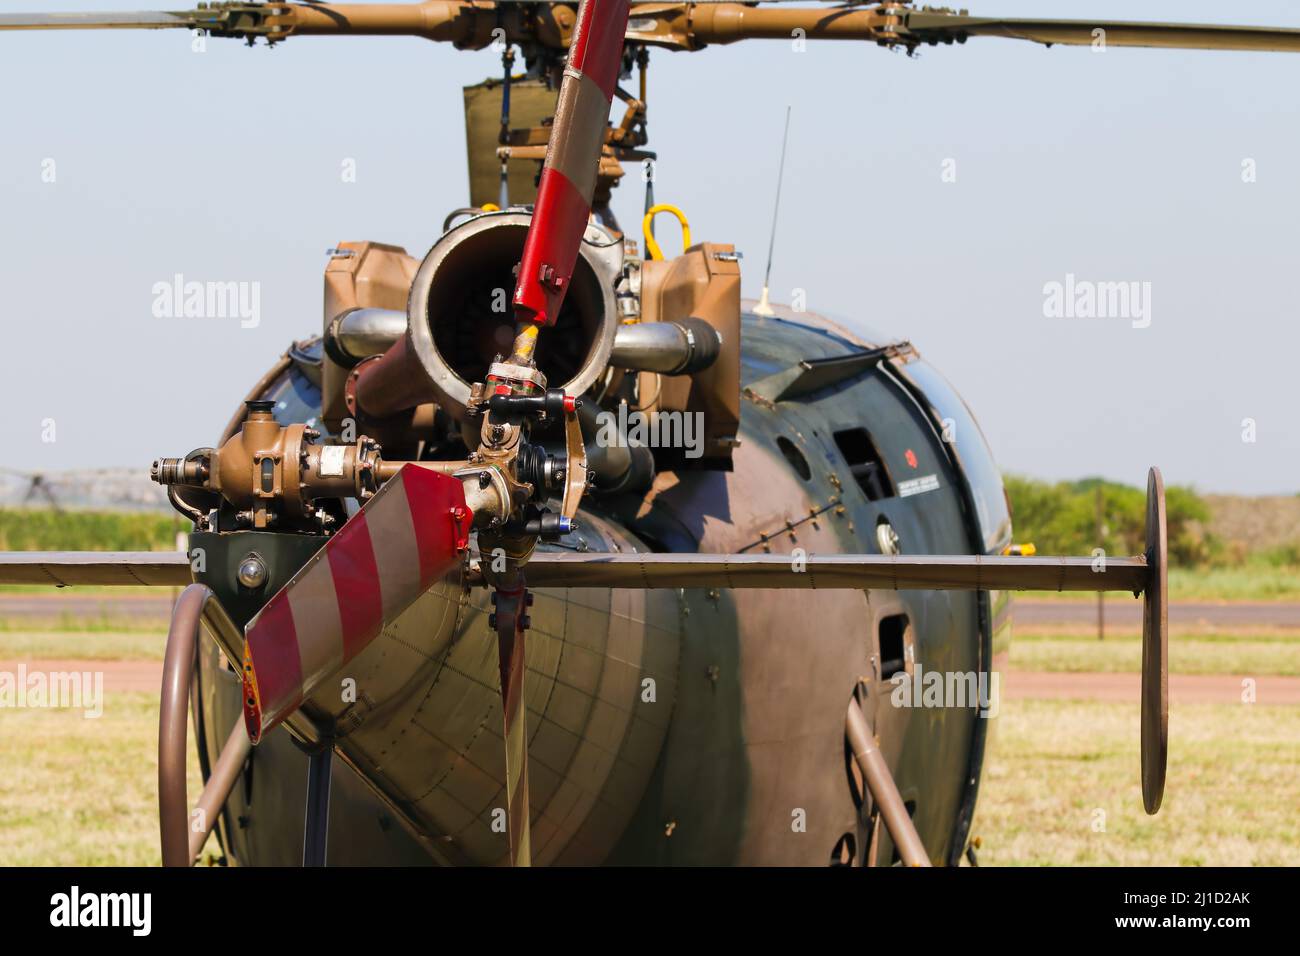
x: 572, y: 159
x: 405, y: 538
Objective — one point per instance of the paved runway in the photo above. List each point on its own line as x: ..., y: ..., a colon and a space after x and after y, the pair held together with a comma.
x: 1128, y: 613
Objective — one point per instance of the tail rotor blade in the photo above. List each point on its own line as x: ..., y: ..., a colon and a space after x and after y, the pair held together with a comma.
x: 510, y: 620
x: 412, y: 532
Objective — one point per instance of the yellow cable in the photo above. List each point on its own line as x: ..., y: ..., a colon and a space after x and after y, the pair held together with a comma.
x: 647, y: 227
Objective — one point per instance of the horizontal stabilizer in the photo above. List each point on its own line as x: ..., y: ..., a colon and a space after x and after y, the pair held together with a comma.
x: 115, y: 568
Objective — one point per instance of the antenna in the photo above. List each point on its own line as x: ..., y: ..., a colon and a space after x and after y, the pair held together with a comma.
x: 764, y: 306
x: 503, y: 189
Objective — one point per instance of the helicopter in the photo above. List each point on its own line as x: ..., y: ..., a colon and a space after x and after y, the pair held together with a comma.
x: 498, y: 568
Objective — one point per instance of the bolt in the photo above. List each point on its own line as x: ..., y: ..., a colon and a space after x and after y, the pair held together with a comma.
x: 484, y: 479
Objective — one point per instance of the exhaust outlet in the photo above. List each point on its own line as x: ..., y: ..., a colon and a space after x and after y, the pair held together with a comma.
x: 460, y: 319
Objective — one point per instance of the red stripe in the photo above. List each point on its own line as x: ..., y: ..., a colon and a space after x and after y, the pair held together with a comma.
x: 440, y: 523
x: 431, y: 498
x: 597, y: 45
x: 351, y: 557
x: 559, y: 220
x: 272, y: 644
x: 560, y: 215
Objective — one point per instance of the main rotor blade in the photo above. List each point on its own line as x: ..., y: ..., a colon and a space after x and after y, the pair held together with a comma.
x: 240, y: 20
x: 122, y: 568
x: 685, y: 26
x: 150, y: 20
x: 568, y: 177
x: 845, y: 571
x: 932, y: 27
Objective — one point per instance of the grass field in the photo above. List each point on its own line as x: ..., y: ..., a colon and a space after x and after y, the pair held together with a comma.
x: 1059, y: 770
x: 1247, y: 583
x: 1060, y: 786
x: 116, y: 645
x: 1255, y: 652
x: 79, y: 792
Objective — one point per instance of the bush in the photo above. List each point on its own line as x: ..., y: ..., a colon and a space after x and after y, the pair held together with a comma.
x: 1061, y: 518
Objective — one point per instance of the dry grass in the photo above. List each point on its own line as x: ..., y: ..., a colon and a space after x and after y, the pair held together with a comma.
x: 83, y: 792
x: 1256, y: 523
x: 78, y: 792
x: 83, y: 645
x: 1060, y: 767
x: 1256, y: 652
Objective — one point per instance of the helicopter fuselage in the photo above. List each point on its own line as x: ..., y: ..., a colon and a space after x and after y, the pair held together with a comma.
x: 679, y: 726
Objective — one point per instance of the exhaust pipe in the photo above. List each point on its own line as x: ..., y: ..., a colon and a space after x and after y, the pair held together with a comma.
x: 681, y: 347
x: 360, y: 333
x: 619, y: 467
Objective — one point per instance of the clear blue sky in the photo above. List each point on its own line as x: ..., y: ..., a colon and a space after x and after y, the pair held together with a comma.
x: 1123, y: 166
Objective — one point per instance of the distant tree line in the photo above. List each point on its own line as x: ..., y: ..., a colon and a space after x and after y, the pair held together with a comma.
x: 1061, y: 518
x: 44, y: 529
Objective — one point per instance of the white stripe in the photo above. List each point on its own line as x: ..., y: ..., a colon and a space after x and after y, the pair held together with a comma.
x: 315, y: 609
x: 397, y: 556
